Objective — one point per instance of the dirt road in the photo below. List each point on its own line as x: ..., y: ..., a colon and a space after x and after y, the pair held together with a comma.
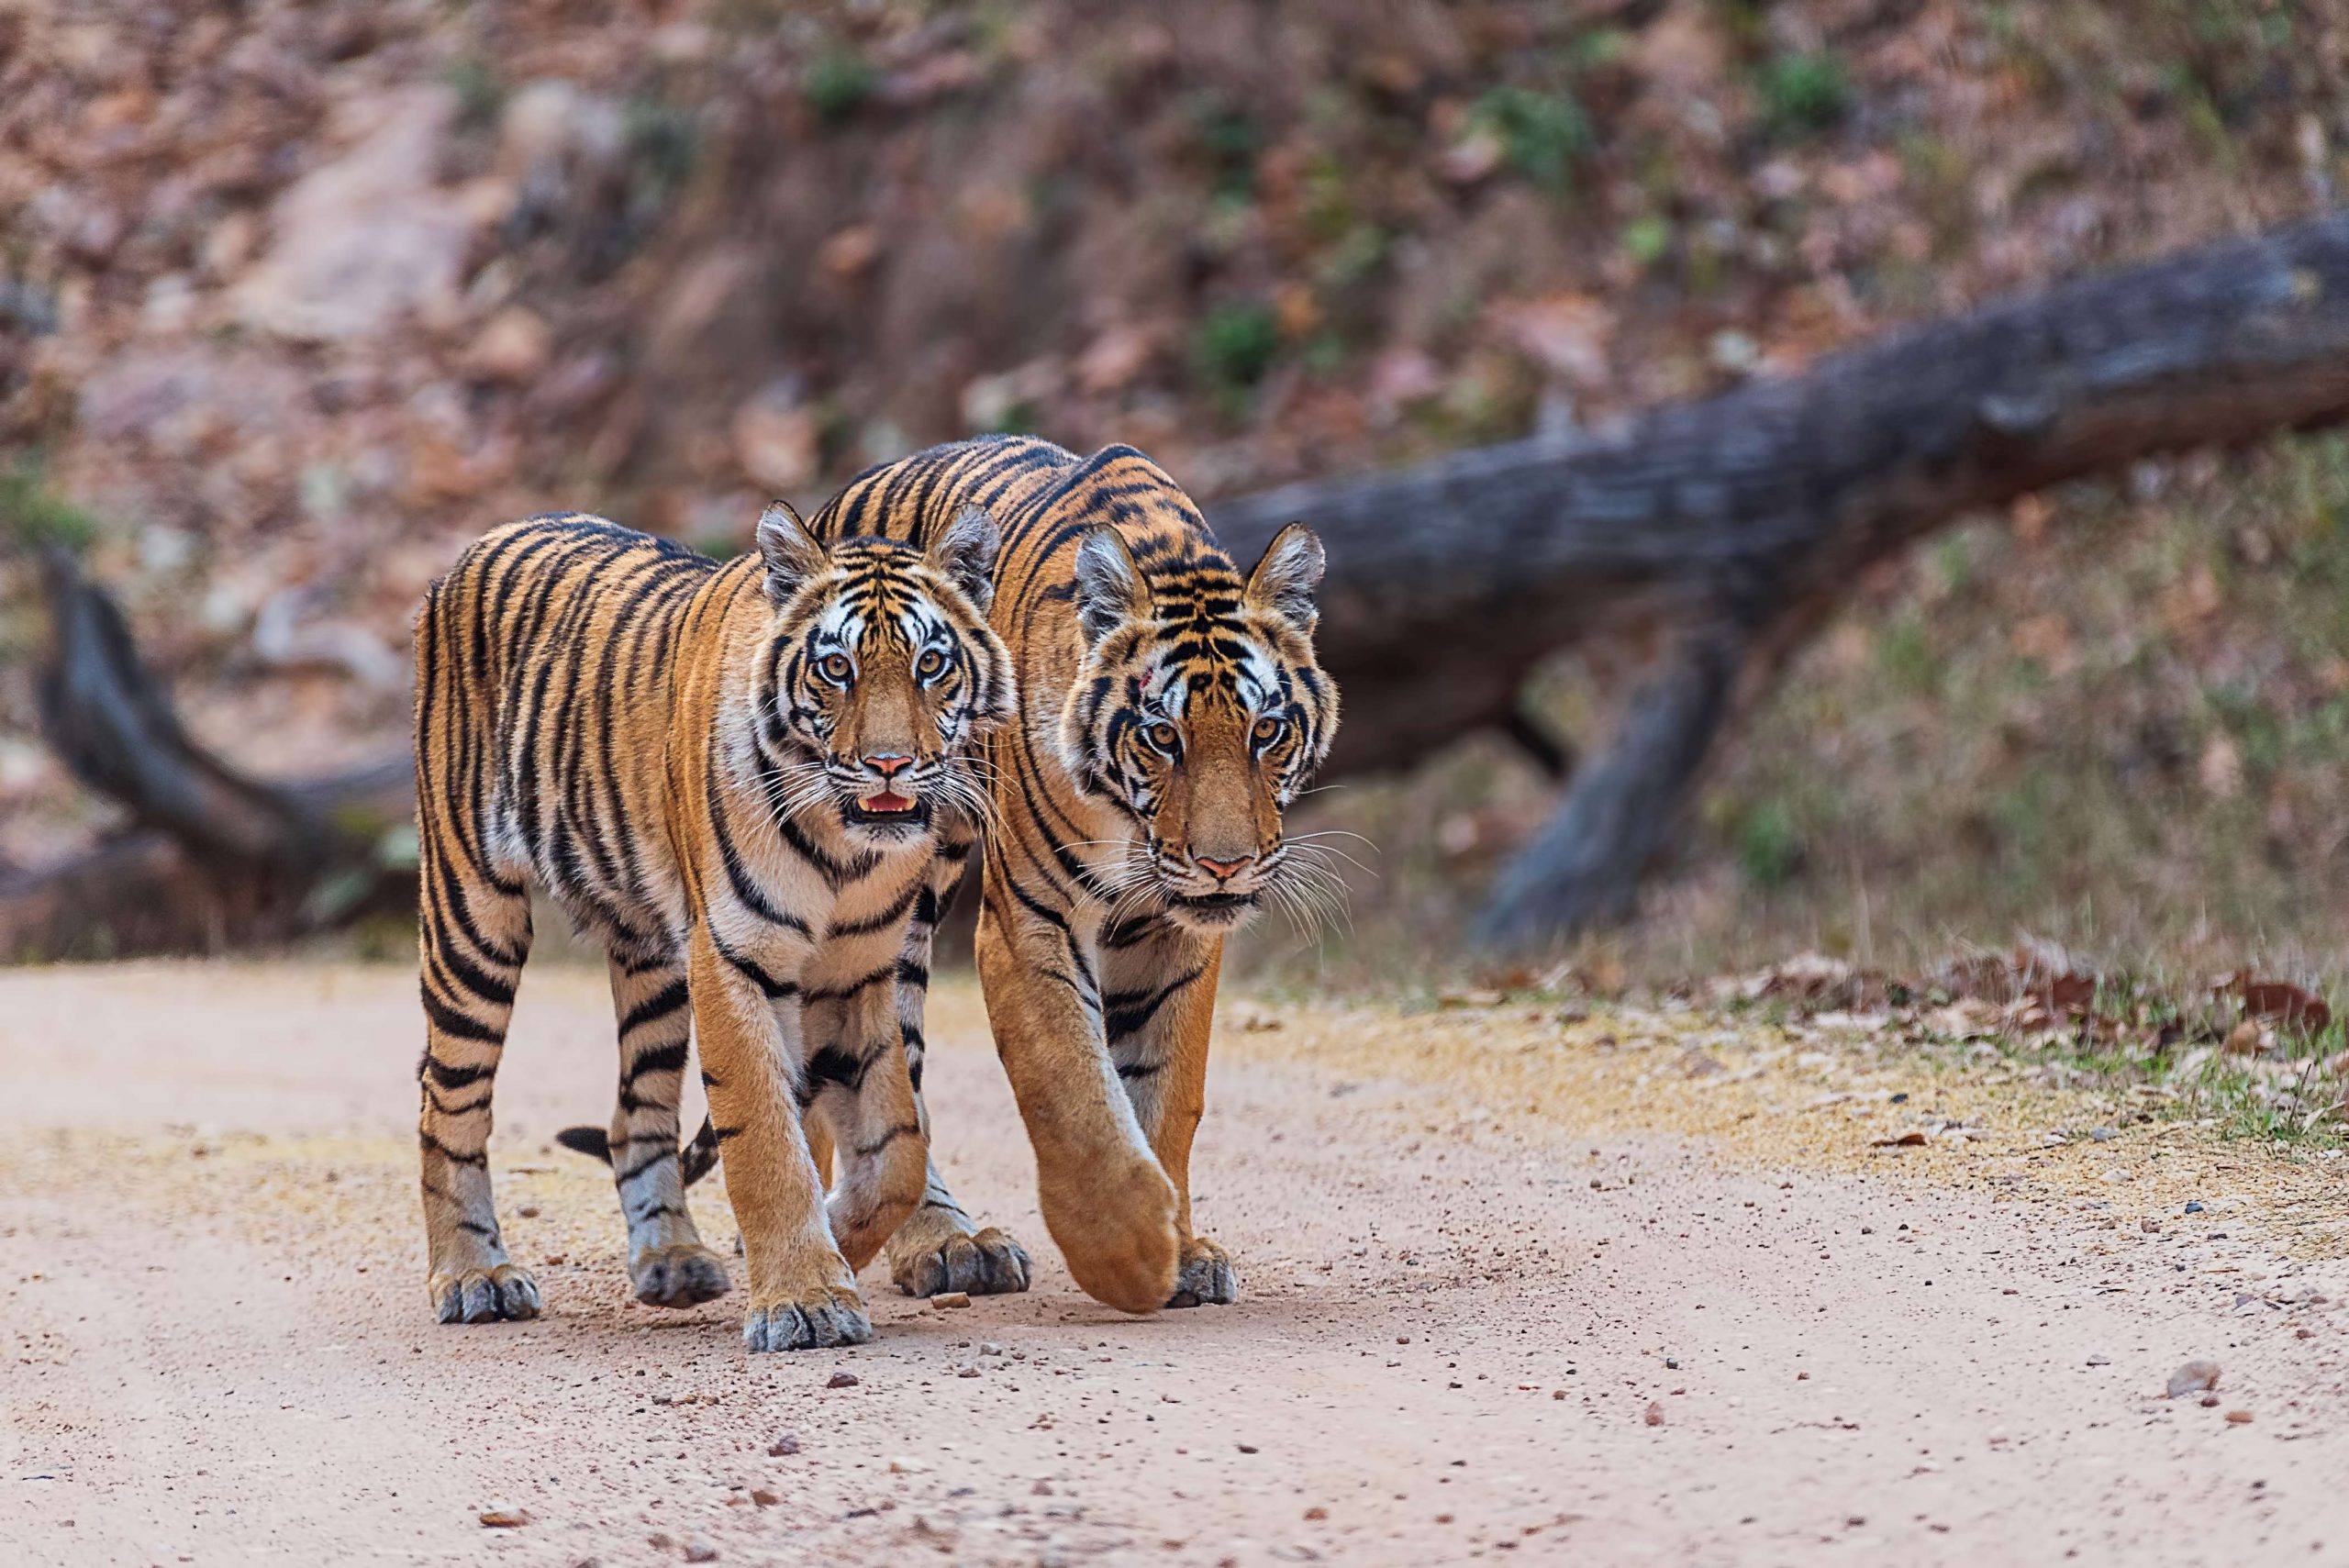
x: 1455, y: 1343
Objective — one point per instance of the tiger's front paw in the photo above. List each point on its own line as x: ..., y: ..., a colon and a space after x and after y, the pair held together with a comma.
x: 828, y: 1316
x: 682, y: 1276
x: 1205, y: 1277
x: 987, y: 1263
x: 1116, y: 1232
x: 482, y: 1296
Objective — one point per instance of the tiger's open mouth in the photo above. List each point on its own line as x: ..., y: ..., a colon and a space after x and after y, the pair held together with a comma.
x: 887, y: 813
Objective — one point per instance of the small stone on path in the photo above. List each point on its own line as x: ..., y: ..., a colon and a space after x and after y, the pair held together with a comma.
x: 2193, y: 1375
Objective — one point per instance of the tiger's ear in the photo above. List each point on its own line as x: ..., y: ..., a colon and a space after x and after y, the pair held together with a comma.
x: 791, y: 554
x: 965, y: 552
x: 1109, y: 587
x: 1285, y: 579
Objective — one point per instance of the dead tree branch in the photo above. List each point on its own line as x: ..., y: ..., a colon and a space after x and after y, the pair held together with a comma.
x: 1739, y: 519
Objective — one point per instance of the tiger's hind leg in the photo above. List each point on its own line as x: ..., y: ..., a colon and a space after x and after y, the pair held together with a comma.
x: 474, y: 935
x: 667, y: 1262
x: 939, y: 1248
x: 866, y: 1121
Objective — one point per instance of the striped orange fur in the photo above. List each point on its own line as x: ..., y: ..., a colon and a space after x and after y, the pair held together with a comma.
x: 1171, y: 710
x: 734, y: 778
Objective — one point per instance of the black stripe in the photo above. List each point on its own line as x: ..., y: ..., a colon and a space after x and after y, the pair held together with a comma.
x: 1129, y: 1012
x: 660, y: 1059
x: 456, y: 1024
x: 670, y: 998
x: 908, y: 1129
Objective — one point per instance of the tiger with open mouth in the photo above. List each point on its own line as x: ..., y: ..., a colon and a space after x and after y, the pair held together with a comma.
x: 733, y: 778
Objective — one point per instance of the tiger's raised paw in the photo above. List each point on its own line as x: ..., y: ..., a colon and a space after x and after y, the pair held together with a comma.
x: 989, y: 1264
x: 483, y: 1296
x: 1205, y: 1276
x: 682, y: 1276
x: 828, y: 1318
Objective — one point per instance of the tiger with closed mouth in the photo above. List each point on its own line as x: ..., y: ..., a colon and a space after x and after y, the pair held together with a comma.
x: 733, y: 778
x: 1172, y: 709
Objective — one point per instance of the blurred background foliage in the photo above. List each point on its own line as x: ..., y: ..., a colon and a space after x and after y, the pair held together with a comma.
x: 296, y: 297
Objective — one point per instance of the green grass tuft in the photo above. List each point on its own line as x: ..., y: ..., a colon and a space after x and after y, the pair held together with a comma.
x: 1543, y: 135
x: 1804, y: 95
x: 838, y: 84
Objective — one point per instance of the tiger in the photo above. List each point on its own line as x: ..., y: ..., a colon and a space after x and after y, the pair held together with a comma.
x: 1171, y: 712
x: 732, y: 778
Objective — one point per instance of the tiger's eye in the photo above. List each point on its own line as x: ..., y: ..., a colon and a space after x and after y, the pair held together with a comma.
x: 932, y: 663
x: 1269, y: 729
x: 835, y: 667
x: 1162, y: 735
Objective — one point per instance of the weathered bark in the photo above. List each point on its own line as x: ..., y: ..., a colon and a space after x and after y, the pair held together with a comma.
x: 1738, y: 519
x: 1735, y: 523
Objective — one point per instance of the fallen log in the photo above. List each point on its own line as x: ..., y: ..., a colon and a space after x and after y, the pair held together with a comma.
x: 211, y: 860
x: 1733, y: 525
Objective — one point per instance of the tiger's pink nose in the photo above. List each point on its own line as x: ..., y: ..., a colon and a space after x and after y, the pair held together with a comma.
x: 887, y: 765
x: 1223, y: 870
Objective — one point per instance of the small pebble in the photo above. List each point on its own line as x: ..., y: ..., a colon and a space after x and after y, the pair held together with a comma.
x: 2192, y: 1377
x: 946, y: 1298
x: 1247, y: 1448
x: 504, y: 1516
x: 1671, y: 1361
x: 701, y: 1549
x: 2194, y: 1205
x: 2239, y: 1417
x: 2102, y: 1134
x: 840, y: 1380
x: 786, y: 1444
x: 1316, y: 1513
x: 2099, y: 1359
x: 989, y: 1347
x: 1656, y: 1414
x: 2150, y: 1227
x: 763, y: 1498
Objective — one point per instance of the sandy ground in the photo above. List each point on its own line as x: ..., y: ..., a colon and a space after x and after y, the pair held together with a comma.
x: 1468, y: 1331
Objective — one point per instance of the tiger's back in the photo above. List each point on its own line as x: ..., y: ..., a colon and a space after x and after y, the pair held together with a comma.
x: 544, y: 663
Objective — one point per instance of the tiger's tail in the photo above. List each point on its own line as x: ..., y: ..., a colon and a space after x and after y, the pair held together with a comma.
x: 695, y: 1160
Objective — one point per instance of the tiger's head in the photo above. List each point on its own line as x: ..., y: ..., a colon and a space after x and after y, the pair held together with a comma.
x: 880, y: 671
x: 1200, y: 713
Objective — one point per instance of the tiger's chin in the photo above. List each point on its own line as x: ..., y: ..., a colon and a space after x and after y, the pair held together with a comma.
x: 1212, y: 913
